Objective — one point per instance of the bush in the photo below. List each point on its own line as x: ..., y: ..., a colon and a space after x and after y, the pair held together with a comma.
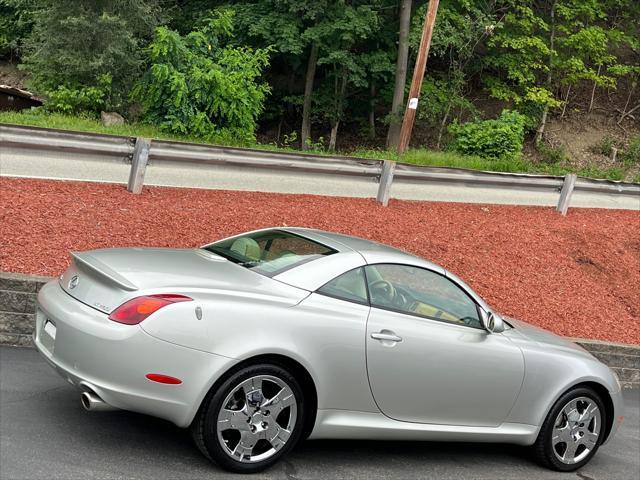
x: 552, y: 155
x: 631, y: 154
x: 499, y: 139
x: 76, y: 100
x: 197, y: 86
x: 604, y: 146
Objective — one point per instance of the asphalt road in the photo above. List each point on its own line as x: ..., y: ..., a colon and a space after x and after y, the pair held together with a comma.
x: 97, y: 168
x: 45, y: 434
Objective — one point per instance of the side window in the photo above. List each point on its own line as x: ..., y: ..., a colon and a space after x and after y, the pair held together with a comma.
x: 421, y: 292
x: 350, y: 286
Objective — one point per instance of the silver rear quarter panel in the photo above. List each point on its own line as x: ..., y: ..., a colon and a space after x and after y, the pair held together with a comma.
x: 112, y: 359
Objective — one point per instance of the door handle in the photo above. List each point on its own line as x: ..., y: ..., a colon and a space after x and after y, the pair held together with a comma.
x: 386, y: 335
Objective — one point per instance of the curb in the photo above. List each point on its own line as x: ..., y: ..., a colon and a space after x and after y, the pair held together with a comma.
x: 18, y: 306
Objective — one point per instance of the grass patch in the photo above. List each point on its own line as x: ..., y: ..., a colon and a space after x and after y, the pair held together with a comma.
x: 36, y: 117
x: 39, y: 118
x: 450, y: 159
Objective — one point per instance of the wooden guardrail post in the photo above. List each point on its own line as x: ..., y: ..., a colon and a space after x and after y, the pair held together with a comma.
x: 138, y: 164
x: 566, y: 192
x: 386, y: 178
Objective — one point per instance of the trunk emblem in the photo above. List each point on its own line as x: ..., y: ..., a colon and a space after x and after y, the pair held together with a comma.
x: 73, y: 283
x: 199, y: 313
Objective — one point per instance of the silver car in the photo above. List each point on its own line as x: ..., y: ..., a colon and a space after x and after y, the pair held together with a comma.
x: 258, y: 341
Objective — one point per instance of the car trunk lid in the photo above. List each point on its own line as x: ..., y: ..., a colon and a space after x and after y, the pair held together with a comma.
x: 104, y: 279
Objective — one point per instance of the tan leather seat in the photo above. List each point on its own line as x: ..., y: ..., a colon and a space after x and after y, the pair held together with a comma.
x: 247, y: 247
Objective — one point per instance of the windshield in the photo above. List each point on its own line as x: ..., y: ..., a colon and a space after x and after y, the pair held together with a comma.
x: 269, y: 252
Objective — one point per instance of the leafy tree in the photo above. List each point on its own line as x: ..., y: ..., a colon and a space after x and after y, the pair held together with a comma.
x: 518, y: 57
x: 331, y: 62
x: 285, y: 26
x: 340, y: 38
x: 15, y: 25
x: 585, y: 45
x: 76, y: 43
x: 442, y: 100
x: 402, y: 60
x: 198, y: 85
x: 461, y: 28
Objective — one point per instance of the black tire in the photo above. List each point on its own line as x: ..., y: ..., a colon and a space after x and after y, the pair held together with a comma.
x: 203, y: 427
x: 543, y: 449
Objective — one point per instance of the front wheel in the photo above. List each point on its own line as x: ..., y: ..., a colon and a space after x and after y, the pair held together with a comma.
x: 252, y: 420
x: 572, y: 432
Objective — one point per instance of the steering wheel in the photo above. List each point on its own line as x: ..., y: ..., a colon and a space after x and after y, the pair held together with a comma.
x: 471, y: 321
x: 384, y: 288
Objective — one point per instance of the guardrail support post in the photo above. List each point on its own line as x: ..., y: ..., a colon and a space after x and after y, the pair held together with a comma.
x: 386, y: 178
x: 138, y: 164
x: 566, y: 192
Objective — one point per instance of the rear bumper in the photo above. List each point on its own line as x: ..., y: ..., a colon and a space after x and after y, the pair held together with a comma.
x: 112, y: 360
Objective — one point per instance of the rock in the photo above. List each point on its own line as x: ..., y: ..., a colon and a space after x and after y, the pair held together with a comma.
x: 111, y: 118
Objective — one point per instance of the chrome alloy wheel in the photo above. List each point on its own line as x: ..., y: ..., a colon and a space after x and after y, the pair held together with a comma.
x: 576, y: 430
x: 257, y: 418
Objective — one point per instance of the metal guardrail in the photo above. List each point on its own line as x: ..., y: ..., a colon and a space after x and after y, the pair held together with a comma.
x: 140, y: 151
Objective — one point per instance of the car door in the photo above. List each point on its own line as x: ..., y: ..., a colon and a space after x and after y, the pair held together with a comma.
x: 428, y: 358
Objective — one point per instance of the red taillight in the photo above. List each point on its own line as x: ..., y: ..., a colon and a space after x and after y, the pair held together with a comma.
x: 137, y: 309
x: 158, y: 377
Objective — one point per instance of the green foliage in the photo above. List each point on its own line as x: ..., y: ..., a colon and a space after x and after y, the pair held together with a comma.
x: 631, y: 154
x: 550, y: 155
x: 604, y: 146
x: 196, y: 84
x: 528, y: 55
x: 439, y: 96
x: 76, y: 43
x: 462, y: 26
x: 517, y: 55
x: 16, y: 22
x: 499, y: 139
x: 540, y: 48
x: 82, y: 99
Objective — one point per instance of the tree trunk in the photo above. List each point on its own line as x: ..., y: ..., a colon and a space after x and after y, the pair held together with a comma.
x: 593, y: 90
x: 626, y: 104
x: 552, y: 38
x: 442, y: 125
x: 372, y: 112
x: 628, y: 114
x: 401, y: 75
x: 279, y: 129
x: 334, y: 135
x: 339, y: 102
x: 305, y: 132
x: 566, y: 101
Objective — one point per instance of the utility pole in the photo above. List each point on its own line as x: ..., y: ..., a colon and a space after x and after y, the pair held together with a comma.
x: 418, y: 75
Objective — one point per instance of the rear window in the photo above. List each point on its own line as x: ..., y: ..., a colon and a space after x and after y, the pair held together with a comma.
x: 269, y: 252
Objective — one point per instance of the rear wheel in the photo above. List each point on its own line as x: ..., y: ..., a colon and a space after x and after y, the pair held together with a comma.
x: 252, y: 420
x: 572, y: 432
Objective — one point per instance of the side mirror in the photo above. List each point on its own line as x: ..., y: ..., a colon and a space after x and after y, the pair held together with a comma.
x: 491, y: 323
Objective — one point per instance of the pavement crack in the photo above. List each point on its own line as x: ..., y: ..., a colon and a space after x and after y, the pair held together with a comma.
x: 584, y: 477
x: 290, y: 471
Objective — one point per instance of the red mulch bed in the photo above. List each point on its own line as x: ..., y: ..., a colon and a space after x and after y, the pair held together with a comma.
x: 577, y: 275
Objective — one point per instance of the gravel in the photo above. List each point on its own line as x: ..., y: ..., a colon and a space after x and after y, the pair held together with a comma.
x: 577, y: 275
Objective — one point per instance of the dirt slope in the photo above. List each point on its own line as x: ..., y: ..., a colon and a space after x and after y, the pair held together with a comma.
x: 577, y: 275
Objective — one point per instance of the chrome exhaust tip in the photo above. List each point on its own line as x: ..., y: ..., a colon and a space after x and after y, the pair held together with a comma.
x: 93, y: 403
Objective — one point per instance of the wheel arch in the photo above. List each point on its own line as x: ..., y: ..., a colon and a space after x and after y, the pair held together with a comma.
x: 604, y: 395
x: 292, y: 366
